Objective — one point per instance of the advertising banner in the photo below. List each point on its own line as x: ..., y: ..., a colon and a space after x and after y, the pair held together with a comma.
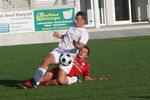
x: 18, y: 21
x: 37, y: 20
x: 53, y: 19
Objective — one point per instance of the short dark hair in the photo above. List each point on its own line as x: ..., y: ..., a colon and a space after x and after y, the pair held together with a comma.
x: 81, y: 13
x: 87, y: 49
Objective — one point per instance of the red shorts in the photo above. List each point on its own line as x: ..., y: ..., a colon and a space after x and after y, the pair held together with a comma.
x: 54, y: 71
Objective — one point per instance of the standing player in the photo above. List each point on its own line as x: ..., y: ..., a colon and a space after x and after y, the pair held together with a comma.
x: 60, y: 75
x: 75, y: 39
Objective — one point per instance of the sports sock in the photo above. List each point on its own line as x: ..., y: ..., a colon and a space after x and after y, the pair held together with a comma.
x: 72, y: 80
x: 39, y: 73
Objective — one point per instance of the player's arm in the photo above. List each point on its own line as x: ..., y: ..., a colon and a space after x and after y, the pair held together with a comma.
x: 86, y: 76
x: 78, y: 45
x: 58, y: 35
x: 94, y: 79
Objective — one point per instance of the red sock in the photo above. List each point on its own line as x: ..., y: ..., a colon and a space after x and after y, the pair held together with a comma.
x: 43, y: 84
x: 29, y: 82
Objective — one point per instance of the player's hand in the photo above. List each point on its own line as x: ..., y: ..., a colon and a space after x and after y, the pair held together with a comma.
x: 74, y: 42
x: 78, y: 45
x: 57, y: 35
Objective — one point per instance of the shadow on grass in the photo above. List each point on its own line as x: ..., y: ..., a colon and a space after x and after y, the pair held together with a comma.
x: 140, y: 97
x: 11, y: 83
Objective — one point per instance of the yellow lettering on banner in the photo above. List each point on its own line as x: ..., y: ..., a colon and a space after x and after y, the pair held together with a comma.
x: 62, y: 27
x: 42, y: 14
x: 43, y: 19
x: 54, y: 28
x: 52, y: 15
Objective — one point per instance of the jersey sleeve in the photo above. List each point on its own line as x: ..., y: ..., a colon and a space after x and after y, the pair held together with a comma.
x: 86, y: 73
x: 72, y: 24
x: 84, y: 37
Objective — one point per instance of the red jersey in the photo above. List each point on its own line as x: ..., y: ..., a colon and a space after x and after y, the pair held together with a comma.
x: 80, y: 66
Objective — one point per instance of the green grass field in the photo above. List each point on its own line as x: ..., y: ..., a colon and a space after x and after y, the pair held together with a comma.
x: 124, y: 61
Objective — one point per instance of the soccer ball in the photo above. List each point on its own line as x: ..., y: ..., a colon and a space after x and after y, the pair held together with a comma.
x: 65, y: 59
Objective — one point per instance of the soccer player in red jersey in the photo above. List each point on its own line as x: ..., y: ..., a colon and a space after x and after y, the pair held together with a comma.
x: 68, y: 74
x: 79, y: 67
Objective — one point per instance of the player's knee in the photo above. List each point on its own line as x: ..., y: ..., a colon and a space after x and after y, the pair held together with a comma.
x: 46, y: 62
x: 61, y: 81
x: 44, y: 67
x: 61, y: 77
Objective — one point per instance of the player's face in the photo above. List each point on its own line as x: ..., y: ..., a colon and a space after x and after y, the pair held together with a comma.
x: 79, y: 20
x: 83, y: 53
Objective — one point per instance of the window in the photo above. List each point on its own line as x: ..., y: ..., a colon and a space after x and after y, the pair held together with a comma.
x: 87, y: 7
x: 102, y: 11
x: 122, y: 10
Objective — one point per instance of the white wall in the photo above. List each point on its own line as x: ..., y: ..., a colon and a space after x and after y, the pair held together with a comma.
x: 27, y: 38
x: 0, y: 5
x: 47, y: 4
x: 77, y: 8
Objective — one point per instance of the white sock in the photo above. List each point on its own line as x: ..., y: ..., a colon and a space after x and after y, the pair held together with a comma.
x: 72, y: 80
x: 39, y: 73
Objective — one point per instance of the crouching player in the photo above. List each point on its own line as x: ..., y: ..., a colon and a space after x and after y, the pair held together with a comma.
x: 64, y: 75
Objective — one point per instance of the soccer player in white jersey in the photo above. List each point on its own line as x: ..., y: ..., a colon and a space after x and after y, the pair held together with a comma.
x: 75, y: 39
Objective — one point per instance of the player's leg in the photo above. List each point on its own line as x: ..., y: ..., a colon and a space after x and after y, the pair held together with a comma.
x: 62, y: 75
x: 48, y: 79
x: 48, y: 76
x: 50, y: 59
x: 51, y: 74
x: 53, y: 82
x: 31, y: 83
x: 64, y: 79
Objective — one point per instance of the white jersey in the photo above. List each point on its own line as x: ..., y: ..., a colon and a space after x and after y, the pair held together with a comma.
x: 74, y: 33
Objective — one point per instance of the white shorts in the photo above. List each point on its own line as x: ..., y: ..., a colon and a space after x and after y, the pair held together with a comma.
x: 57, y: 52
x: 66, y: 68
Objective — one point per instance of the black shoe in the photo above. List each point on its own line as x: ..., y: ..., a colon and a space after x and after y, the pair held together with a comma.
x: 78, y: 78
x: 33, y: 84
x: 23, y: 86
x: 27, y: 86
